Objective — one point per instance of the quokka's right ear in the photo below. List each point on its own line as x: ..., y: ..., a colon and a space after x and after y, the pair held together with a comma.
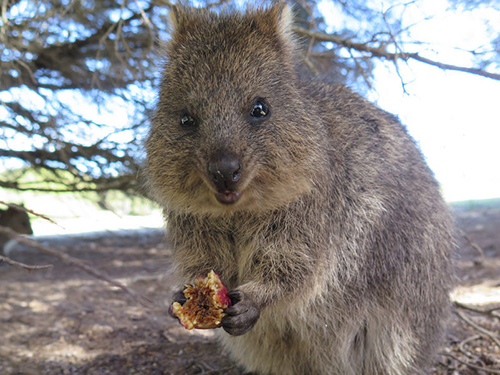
x: 283, y: 16
x: 180, y: 19
x: 177, y: 16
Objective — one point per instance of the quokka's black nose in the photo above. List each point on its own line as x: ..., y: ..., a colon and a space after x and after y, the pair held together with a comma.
x: 225, y: 171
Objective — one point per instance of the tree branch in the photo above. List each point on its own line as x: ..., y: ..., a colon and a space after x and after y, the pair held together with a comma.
x: 25, y: 266
x: 77, y: 263
x: 27, y: 210
x: 488, y: 333
x: 480, y: 368
x: 476, y: 71
x: 382, y: 53
x: 124, y: 183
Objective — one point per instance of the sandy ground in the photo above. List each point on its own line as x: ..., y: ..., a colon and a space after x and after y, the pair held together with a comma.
x: 63, y: 321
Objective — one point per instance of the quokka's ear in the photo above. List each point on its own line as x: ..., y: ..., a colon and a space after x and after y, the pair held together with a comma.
x: 180, y: 21
x: 277, y: 22
x: 283, y: 17
x: 177, y: 17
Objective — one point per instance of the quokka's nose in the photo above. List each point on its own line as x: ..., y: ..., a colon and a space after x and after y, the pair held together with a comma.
x: 225, y: 171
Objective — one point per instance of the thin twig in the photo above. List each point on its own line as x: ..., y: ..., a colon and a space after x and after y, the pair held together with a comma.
x: 381, y: 52
x: 28, y: 69
x: 5, y: 21
x: 147, y: 22
x: 28, y: 267
x: 361, y: 70
x: 400, y: 51
x: 21, y: 208
x: 218, y: 3
x: 311, y: 65
x: 95, y: 82
x: 462, y: 344
x: 77, y: 263
x: 490, y: 334
x: 488, y: 311
x: 491, y: 371
x: 476, y: 71
x: 474, y: 245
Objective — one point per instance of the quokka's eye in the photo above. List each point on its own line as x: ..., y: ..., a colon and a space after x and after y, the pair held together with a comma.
x: 187, y: 121
x: 260, y: 109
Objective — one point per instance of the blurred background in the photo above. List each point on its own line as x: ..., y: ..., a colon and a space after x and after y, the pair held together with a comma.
x: 78, y: 82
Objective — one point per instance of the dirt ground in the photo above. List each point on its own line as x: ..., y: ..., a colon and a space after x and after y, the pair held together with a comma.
x: 61, y: 321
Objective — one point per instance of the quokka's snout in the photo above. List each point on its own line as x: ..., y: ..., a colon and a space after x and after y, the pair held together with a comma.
x: 224, y: 171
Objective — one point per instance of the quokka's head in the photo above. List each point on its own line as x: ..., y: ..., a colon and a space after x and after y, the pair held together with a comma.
x: 232, y: 129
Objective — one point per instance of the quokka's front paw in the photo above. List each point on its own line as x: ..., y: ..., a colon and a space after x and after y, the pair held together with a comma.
x: 242, y: 315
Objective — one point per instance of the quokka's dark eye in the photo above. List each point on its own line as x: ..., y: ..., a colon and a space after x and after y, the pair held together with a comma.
x: 260, y: 109
x: 187, y: 121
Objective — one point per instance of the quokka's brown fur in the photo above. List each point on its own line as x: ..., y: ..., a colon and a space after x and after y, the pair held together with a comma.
x: 327, y: 219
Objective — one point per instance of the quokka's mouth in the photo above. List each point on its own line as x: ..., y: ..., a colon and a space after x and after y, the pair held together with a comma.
x: 228, y: 197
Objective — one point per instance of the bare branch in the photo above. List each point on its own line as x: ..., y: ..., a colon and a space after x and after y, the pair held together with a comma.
x: 25, y: 266
x: 124, y: 183
x: 489, y: 371
x: 462, y: 344
x: 476, y: 71
x: 382, y: 53
x: 490, y: 334
x: 487, y: 311
x: 21, y: 208
x: 475, y: 246
x: 69, y: 260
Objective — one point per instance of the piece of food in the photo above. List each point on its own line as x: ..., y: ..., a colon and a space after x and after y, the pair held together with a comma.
x: 205, y: 304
